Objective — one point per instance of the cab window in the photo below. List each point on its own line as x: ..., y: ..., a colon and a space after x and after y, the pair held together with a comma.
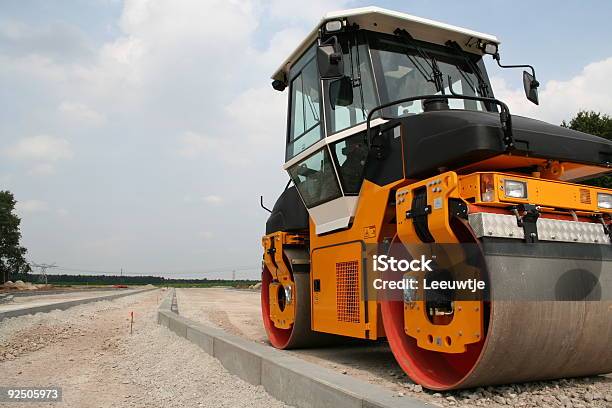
x: 358, y: 67
x: 305, y: 107
x: 350, y: 155
x: 315, y: 179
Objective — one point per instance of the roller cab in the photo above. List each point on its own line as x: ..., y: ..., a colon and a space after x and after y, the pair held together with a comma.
x: 396, y: 146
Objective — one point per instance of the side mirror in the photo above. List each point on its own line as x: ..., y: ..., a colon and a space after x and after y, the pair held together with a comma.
x: 529, y: 82
x: 329, y: 60
x: 341, y: 92
x: 531, y: 87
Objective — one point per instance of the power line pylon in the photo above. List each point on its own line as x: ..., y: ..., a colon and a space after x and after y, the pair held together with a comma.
x: 43, y: 270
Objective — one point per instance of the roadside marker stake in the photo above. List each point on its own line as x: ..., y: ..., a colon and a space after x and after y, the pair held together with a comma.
x: 131, y: 322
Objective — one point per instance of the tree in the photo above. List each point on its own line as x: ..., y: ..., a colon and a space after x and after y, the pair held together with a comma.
x: 597, y: 124
x: 12, y: 254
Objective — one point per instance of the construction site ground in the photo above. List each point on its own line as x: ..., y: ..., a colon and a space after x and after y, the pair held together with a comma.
x: 238, y: 312
x: 89, y: 352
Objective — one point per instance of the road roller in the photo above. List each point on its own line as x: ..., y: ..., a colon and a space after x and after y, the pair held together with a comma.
x: 400, y: 155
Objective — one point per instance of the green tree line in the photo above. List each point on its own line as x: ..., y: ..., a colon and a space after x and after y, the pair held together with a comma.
x: 597, y: 124
x: 127, y: 280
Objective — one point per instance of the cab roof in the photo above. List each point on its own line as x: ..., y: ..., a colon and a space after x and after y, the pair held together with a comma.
x: 386, y: 21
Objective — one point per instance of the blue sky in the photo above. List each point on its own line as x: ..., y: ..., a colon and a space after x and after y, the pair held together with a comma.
x: 140, y: 134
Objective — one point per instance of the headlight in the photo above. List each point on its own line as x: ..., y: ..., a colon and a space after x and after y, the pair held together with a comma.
x: 604, y: 200
x: 515, y: 189
x: 333, y: 26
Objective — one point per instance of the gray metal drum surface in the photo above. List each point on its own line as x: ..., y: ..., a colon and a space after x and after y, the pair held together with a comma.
x: 550, y: 317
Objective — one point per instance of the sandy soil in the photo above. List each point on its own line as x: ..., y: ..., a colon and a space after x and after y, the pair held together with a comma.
x: 89, y: 352
x: 238, y: 312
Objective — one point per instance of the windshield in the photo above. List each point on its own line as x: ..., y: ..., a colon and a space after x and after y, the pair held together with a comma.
x: 403, y: 70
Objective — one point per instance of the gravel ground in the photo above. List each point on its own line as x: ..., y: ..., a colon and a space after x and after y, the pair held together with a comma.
x: 238, y: 313
x: 89, y: 352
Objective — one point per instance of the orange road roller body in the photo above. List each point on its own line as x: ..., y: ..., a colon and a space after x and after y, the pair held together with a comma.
x: 398, y: 150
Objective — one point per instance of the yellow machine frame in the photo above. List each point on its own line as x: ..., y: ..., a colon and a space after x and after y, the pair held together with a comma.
x: 374, y: 222
x: 467, y: 324
x: 274, y: 260
x: 339, y: 260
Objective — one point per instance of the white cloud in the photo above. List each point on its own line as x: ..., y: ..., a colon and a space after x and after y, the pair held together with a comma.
x: 5, y: 179
x: 57, y: 40
x: 193, y: 144
x: 161, y: 38
x: 225, y: 148
x: 591, y: 89
x: 34, y: 67
x: 261, y: 115
x: 282, y: 44
x: 31, y: 206
x: 213, y: 199
x: 313, y: 12
x: 81, y: 113
x: 136, y: 73
x: 206, y: 235
x: 42, y: 169
x: 12, y: 30
x: 40, y: 147
x: 41, y: 152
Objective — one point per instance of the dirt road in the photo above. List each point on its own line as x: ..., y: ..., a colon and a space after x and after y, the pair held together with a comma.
x: 32, y: 300
x: 89, y: 352
x: 238, y: 312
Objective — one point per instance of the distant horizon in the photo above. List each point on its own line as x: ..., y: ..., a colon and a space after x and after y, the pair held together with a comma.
x: 37, y: 275
x: 221, y: 275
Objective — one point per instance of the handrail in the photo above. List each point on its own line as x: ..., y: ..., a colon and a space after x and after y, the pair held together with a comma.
x: 504, y: 115
x: 261, y: 203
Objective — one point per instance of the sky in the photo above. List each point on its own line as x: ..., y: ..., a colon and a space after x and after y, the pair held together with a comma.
x: 139, y: 134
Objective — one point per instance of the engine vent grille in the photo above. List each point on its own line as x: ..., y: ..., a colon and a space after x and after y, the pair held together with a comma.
x: 347, y: 291
x: 585, y: 196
